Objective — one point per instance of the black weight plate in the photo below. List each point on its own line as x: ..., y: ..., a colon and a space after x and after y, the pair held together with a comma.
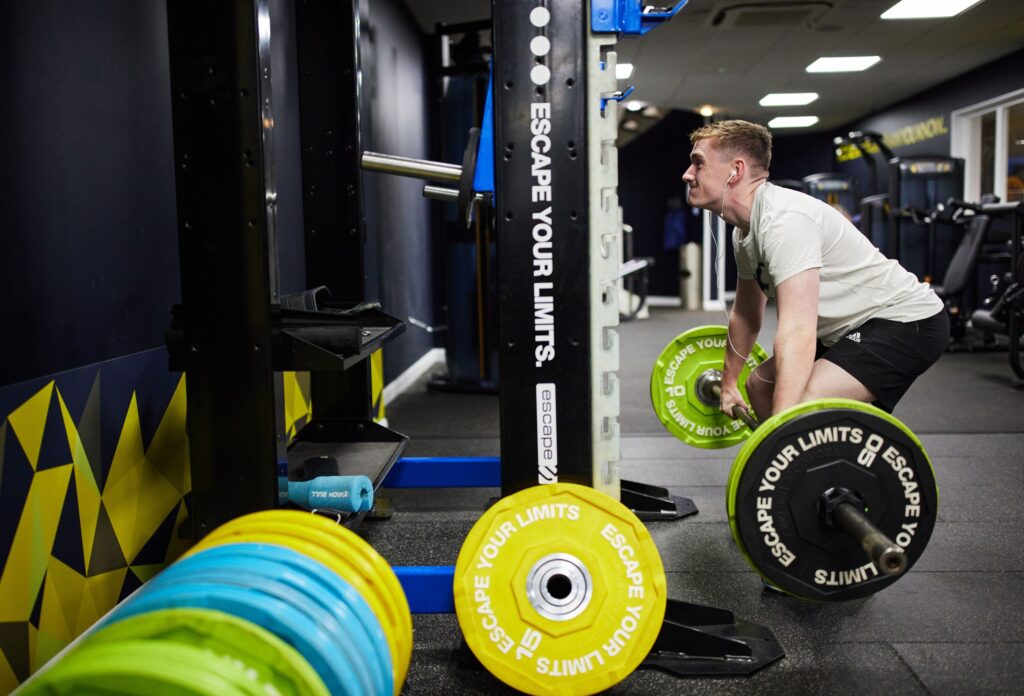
x: 466, y: 192
x: 794, y: 457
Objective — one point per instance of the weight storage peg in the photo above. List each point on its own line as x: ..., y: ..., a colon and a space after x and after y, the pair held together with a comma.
x: 429, y: 170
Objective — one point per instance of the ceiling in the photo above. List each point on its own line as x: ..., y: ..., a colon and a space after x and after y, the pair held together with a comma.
x: 730, y: 53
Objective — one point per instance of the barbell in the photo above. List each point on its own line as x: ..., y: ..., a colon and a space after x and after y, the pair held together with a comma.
x: 830, y: 500
x: 464, y: 196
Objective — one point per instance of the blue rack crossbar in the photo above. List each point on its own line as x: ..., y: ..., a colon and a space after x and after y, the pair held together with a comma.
x: 428, y: 588
x: 444, y: 472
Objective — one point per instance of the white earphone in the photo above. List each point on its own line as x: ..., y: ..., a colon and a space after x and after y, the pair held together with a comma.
x: 732, y: 175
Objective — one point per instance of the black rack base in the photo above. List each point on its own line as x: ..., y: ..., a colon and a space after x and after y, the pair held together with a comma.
x: 698, y: 640
x: 651, y: 503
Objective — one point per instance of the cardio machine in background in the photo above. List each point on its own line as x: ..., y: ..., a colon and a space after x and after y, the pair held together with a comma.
x: 984, y: 232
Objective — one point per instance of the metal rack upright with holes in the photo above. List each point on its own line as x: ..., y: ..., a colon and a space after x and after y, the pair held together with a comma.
x: 234, y: 332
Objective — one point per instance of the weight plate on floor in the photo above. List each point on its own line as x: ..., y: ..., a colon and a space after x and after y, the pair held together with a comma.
x: 353, y: 550
x: 329, y: 584
x: 559, y: 589
x: 276, y: 664
x: 271, y: 578
x: 681, y: 393
x: 143, y: 667
x: 781, y: 472
x: 280, y: 618
x: 370, y: 591
x: 354, y: 559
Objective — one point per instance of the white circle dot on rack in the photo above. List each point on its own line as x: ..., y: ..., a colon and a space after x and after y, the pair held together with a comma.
x: 540, y: 75
x: 540, y: 46
x: 540, y: 16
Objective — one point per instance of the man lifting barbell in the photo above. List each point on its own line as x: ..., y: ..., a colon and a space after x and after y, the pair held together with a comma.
x: 851, y: 323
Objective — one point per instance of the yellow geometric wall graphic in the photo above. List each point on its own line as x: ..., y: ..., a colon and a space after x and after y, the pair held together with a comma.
x: 136, y: 496
x: 30, y: 552
x: 178, y: 545
x: 29, y: 420
x: 298, y: 408
x: 8, y: 680
x: 377, y: 385
x: 85, y: 482
x: 168, y: 450
x: 45, y: 602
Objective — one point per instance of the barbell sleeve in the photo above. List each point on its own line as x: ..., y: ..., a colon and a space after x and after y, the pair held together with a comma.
x: 443, y: 193
x: 889, y: 558
x: 407, y: 166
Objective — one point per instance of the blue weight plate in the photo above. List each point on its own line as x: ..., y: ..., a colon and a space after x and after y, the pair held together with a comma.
x: 328, y: 582
x: 278, y: 580
x: 282, y: 619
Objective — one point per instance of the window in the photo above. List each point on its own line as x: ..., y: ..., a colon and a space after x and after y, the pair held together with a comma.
x: 987, y: 152
x: 1015, y: 153
x: 990, y: 138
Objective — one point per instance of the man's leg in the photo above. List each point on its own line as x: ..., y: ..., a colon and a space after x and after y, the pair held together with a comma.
x: 829, y: 381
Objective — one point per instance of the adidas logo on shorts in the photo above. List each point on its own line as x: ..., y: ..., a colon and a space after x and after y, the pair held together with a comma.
x: 855, y: 337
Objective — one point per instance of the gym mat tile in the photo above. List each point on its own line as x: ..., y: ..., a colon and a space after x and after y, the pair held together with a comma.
x: 972, y: 547
x: 674, y: 472
x: 804, y: 669
x: 920, y: 608
x: 994, y: 668
x: 638, y: 447
x: 979, y: 503
x: 452, y: 447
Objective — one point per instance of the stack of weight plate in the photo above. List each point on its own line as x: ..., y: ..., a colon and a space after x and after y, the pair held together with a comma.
x: 277, y: 602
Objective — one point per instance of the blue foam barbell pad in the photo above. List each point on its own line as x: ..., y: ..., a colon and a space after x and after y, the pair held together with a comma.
x: 349, y: 494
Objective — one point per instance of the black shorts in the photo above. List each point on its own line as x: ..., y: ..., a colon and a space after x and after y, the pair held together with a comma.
x: 887, y: 356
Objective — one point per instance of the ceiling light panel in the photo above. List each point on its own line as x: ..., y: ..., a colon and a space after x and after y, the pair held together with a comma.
x: 925, y: 9
x: 843, y: 64
x: 792, y: 121
x: 788, y: 99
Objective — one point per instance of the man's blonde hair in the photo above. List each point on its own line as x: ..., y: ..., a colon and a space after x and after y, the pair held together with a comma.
x: 738, y: 138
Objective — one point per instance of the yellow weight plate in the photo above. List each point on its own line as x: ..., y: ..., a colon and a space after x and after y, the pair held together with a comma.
x: 559, y: 589
x: 349, y: 549
x: 347, y: 571
x: 352, y: 548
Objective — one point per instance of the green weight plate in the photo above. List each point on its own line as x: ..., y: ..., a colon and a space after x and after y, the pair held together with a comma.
x: 687, y: 411
x: 781, y: 472
x: 146, y: 667
x: 274, y: 663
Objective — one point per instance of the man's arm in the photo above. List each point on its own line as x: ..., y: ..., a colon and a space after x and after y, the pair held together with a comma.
x: 744, y: 325
x: 795, y: 341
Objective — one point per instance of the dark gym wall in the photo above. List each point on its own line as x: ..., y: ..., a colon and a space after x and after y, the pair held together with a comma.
x: 90, y: 259
x: 797, y: 155
x: 921, y: 124
x: 650, y: 173
x: 398, y: 217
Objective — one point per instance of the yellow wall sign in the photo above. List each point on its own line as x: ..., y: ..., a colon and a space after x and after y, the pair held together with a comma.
x: 902, y: 137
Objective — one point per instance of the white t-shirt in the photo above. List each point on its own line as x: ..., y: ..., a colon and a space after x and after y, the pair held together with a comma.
x: 792, y: 232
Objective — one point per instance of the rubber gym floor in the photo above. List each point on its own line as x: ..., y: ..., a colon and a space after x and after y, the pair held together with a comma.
x: 953, y: 625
